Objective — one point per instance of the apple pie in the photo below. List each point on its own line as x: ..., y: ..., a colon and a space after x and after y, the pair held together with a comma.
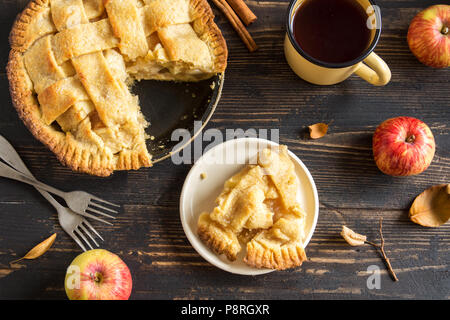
x: 258, y: 208
x: 72, y: 63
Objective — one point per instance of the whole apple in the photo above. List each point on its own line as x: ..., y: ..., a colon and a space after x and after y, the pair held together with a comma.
x: 403, y: 146
x: 98, y: 275
x: 429, y: 36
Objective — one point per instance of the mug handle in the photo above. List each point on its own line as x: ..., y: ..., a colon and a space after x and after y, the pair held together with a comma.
x: 376, y: 71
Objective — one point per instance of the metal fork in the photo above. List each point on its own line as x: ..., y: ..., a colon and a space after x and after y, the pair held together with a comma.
x: 73, y: 224
x: 79, y: 201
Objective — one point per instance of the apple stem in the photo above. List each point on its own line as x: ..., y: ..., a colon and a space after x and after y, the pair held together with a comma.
x: 411, y: 138
x: 97, y: 277
x: 444, y: 30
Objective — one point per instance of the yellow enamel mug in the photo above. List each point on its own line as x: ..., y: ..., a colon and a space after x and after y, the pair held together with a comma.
x: 368, y: 65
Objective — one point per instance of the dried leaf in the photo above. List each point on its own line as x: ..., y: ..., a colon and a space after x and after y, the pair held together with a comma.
x: 318, y: 130
x: 352, y: 238
x: 432, y: 207
x: 38, y: 250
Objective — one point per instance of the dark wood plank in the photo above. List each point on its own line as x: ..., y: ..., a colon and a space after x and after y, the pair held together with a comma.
x: 260, y: 92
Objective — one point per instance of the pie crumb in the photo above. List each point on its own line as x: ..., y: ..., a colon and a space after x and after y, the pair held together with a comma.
x: 203, y: 176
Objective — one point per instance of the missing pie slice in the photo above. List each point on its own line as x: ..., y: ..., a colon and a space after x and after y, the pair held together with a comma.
x: 258, y: 208
x: 72, y: 62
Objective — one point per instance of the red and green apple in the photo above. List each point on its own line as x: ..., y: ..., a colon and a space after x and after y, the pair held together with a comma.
x: 403, y: 146
x: 429, y: 36
x: 98, y: 275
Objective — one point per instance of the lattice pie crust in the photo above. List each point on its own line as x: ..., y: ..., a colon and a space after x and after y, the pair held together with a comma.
x: 72, y: 63
x: 258, y: 208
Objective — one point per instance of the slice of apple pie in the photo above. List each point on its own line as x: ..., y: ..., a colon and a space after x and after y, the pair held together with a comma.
x: 258, y: 208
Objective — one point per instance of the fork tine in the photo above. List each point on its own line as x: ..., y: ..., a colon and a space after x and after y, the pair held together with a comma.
x: 102, y: 207
x: 74, y: 237
x: 88, y: 233
x: 92, y: 228
x: 100, y: 213
x: 85, y: 214
x: 104, y: 201
x: 83, y: 237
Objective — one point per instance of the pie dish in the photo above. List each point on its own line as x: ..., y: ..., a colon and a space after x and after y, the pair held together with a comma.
x: 72, y: 63
x: 258, y: 208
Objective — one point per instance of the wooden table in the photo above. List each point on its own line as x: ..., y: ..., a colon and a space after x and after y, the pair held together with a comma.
x: 260, y: 92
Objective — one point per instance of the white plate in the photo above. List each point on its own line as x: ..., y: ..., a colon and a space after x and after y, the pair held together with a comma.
x: 198, y: 195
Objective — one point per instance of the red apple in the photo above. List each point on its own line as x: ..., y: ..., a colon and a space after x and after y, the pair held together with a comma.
x: 98, y: 275
x: 403, y: 146
x: 429, y: 36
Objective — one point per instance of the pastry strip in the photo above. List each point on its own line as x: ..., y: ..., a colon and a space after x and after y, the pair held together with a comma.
x: 83, y: 39
x: 57, y: 98
x: 125, y: 20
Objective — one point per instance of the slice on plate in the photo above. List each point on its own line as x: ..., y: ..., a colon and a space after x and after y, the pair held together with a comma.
x: 258, y: 208
x: 72, y: 64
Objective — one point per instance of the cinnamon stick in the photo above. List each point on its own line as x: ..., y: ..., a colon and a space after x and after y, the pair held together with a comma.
x: 243, y: 11
x: 237, y: 24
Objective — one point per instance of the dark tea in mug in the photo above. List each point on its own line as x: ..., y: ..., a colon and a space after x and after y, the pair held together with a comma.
x: 333, y: 31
